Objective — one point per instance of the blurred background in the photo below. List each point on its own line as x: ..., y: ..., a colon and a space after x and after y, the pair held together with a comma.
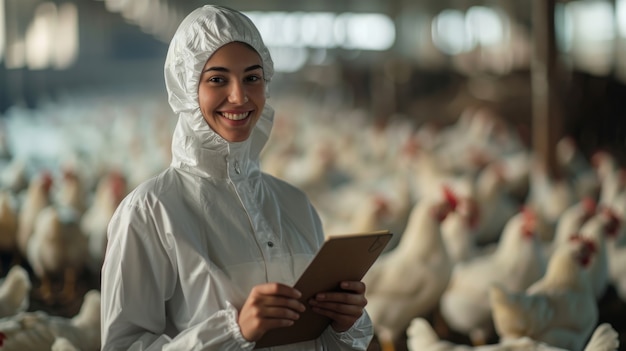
x: 389, y: 57
x: 82, y: 97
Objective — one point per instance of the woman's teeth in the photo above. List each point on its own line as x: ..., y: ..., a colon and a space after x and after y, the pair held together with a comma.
x: 235, y: 116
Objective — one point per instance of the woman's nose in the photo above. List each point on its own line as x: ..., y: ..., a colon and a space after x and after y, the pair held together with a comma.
x: 237, y: 94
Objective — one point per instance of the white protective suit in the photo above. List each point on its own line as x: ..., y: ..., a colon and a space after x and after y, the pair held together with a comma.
x: 186, y: 247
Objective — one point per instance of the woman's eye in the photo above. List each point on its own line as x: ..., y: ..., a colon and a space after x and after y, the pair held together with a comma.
x: 216, y: 80
x: 253, y: 78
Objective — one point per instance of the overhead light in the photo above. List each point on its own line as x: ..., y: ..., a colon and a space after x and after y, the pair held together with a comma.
x: 449, y: 32
x: 66, y: 40
x: 325, y: 30
x: 40, y: 36
x: 486, y: 24
x: 367, y: 31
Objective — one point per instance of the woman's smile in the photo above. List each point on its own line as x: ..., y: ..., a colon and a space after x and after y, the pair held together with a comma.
x: 235, y: 116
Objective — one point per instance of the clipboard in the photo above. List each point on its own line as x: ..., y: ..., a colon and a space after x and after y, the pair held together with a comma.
x: 341, y: 257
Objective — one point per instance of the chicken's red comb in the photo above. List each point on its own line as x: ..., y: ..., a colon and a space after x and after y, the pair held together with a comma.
x: 577, y: 237
x: 528, y: 214
x: 589, y: 204
x: 615, y: 222
x: 588, y: 249
x: 118, y: 184
x: 3, y: 336
x: 450, y: 197
x: 382, y: 204
x: 573, y: 237
x: 411, y: 146
x: 46, y: 177
x: 68, y: 170
x: 380, y: 199
x: 529, y: 225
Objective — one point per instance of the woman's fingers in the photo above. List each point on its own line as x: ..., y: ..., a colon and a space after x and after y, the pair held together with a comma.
x: 276, y: 289
x: 269, y: 306
x: 343, y: 307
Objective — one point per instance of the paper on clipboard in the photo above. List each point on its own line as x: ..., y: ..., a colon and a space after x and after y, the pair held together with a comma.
x: 341, y: 257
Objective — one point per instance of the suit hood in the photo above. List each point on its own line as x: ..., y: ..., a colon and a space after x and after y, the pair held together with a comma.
x: 195, y: 146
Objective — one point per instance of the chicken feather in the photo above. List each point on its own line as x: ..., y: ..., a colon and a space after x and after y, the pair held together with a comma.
x: 559, y: 309
x: 422, y: 337
x: 516, y: 263
x: 408, y: 281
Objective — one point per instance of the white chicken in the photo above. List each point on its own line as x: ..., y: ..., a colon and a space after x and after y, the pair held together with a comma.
x: 62, y: 344
x: 611, y: 177
x: 38, y: 331
x: 358, y: 205
x: 549, y: 196
x: 604, y: 163
x: 598, y: 229
x: 69, y: 191
x: 617, y: 269
x: 459, y: 230
x: 312, y: 170
x: 57, y: 250
x: 516, y: 263
x: 15, y: 292
x: 422, y: 337
x: 366, y: 216
x: 560, y: 309
x: 473, y: 141
x: 408, y: 281
x: 577, y: 168
x: 110, y: 191
x: 13, y: 175
x: 37, y: 198
x: 399, y: 204
x: 619, y: 209
x: 496, y: 205
x: 515, y: 170
x: 572, y: 220
x: 616, y: 251
x: 427, y: 174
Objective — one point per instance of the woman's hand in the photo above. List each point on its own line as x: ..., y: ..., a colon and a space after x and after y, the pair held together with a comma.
x: 342, y: 307
x: 269, y: 306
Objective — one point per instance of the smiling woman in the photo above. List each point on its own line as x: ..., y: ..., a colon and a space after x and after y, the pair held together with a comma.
x: 231, y: 92
x: 211, y: 247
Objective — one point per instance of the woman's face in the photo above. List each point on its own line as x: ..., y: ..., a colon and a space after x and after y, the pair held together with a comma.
x: 231, y: 92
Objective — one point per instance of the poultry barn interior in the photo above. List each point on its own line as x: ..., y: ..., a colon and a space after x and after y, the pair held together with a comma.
x: 512, y: 112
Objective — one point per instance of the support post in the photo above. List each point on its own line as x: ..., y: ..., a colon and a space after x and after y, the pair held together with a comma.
x: 547, y: 112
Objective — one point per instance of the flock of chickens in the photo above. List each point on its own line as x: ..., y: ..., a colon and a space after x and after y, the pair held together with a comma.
x: 58, y: 192
x: 487, y: 246
x: 53, y: 239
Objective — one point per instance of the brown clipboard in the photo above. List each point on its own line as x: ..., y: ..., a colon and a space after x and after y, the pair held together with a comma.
x: 341, y: 257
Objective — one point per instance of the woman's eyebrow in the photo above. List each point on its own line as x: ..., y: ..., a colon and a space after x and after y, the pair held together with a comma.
x: 252, y: 68
x: 220, y: 69
x: 224, y: 69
